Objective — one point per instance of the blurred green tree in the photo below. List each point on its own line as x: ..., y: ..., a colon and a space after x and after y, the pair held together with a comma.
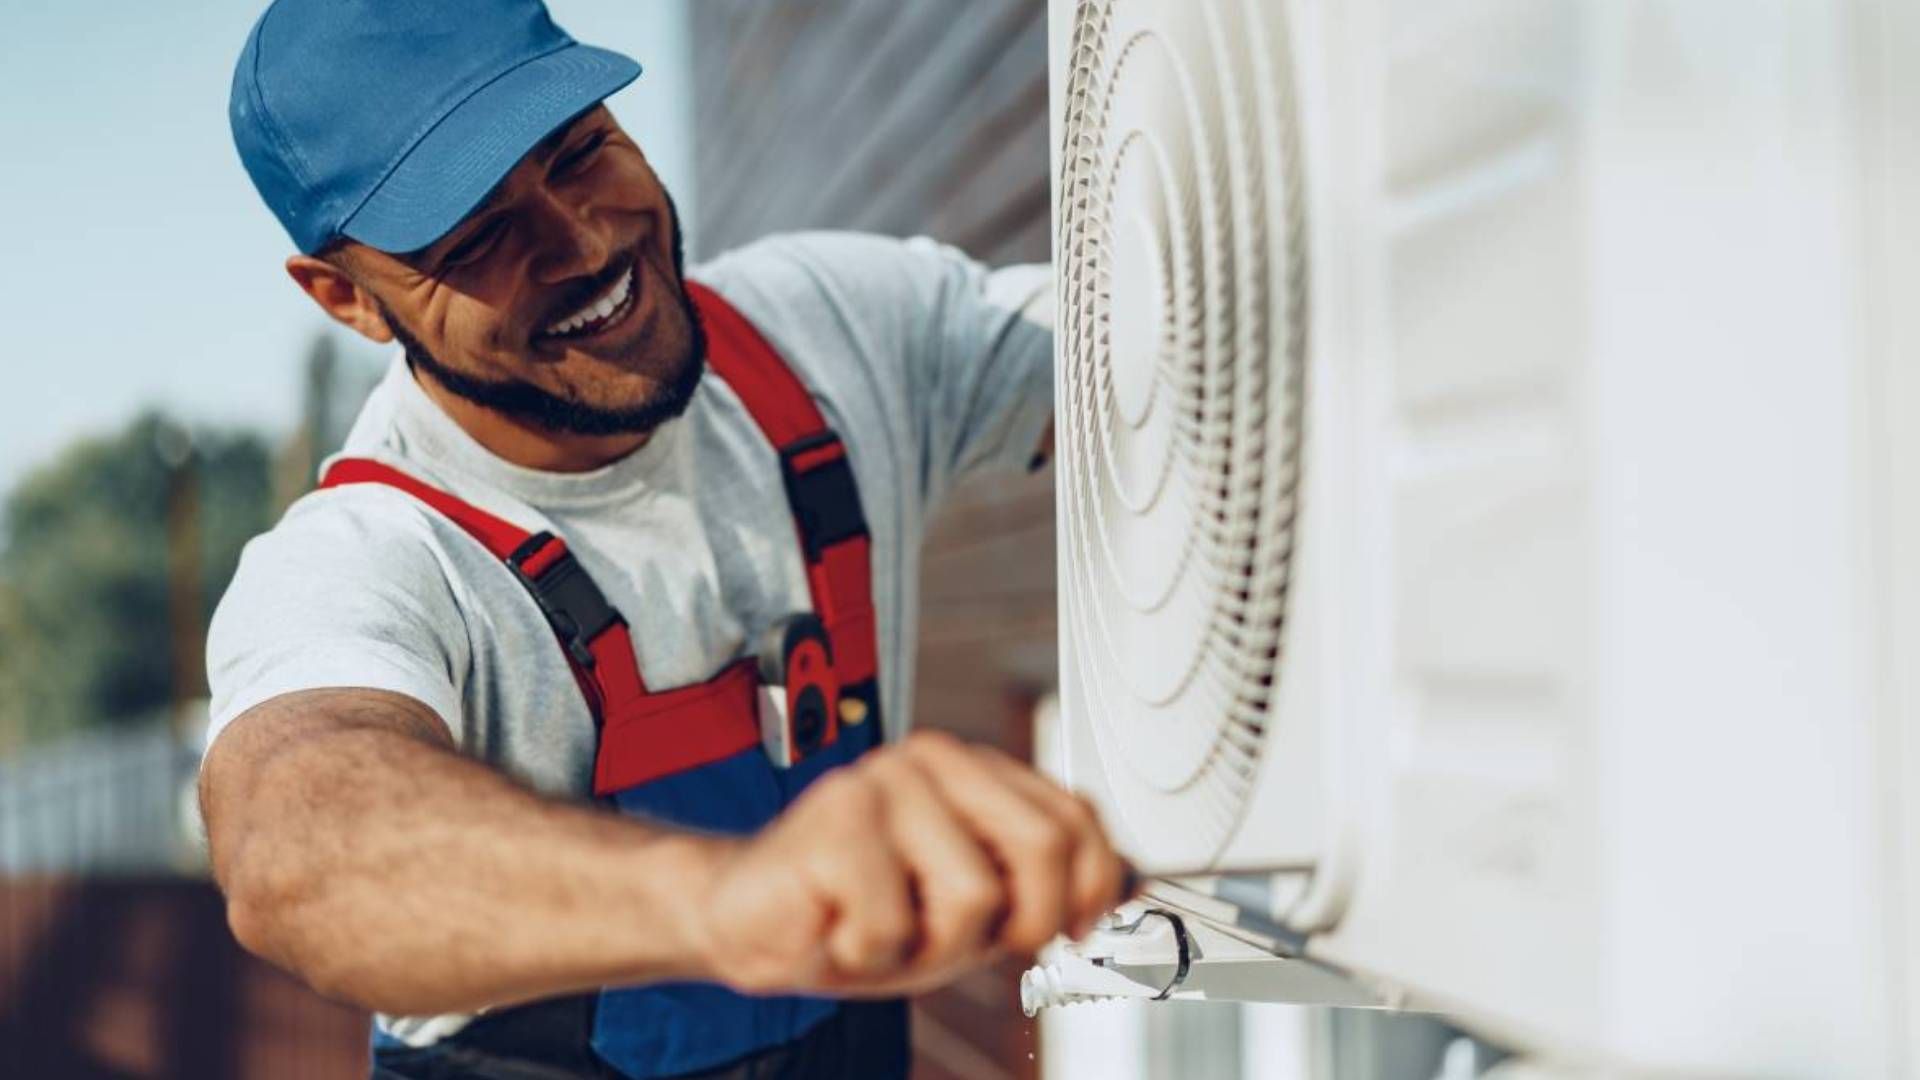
x: 112, y: 557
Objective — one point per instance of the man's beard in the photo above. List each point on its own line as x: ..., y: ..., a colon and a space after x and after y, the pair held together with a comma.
x: 532, y: 405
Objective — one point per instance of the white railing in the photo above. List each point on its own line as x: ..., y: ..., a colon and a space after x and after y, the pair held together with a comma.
x: 114, y: 801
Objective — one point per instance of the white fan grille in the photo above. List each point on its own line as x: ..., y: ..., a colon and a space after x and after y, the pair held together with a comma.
x: 1182, y: 276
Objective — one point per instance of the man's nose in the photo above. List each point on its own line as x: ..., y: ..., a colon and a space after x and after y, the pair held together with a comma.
x: 573, y: 242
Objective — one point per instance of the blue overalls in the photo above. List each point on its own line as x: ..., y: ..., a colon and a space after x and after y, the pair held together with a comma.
x: 697, y: 756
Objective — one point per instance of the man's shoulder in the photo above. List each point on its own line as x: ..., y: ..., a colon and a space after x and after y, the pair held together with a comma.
x: 838, y: 305
x: 353, y: 586
x: 832, y: 250
x: 354, y: 531
x: 843, y: 275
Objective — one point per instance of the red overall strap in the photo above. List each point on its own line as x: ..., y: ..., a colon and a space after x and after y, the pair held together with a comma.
x: 595, y: 642
x: 819, y: 481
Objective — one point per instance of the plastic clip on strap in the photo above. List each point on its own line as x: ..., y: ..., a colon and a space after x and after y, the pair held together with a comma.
x: 821, y: 490
x: 598, y: 645
x: 572, y: 603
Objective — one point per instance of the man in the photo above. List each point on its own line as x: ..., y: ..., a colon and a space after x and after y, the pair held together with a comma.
x: 549, y: 729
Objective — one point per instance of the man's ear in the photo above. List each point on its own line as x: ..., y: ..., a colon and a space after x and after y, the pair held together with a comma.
x: 341, y: 297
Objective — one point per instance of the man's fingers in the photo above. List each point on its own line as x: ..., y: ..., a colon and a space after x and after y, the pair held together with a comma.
x: 1035, y: 848
x: 959, y: 888
x: 1098, y: 875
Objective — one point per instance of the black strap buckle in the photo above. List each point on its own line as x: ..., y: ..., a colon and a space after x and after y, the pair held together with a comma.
x: 824, y: 498
x: 572, y: 603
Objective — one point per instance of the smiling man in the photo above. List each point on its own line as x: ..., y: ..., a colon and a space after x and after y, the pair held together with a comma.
x: 565, y: 725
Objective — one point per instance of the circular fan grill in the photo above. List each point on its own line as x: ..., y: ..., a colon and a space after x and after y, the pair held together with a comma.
x: 1182, y: 276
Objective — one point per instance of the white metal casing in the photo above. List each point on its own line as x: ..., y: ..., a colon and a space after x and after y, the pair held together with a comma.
x: 1592, y: 723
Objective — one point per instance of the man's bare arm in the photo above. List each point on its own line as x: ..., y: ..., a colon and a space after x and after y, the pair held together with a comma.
x: 359, y: 850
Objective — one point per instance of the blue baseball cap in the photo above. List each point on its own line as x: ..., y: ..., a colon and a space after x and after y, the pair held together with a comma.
x: 389, y: 121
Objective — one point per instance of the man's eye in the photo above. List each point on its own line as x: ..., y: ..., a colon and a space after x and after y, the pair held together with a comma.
x: 473, y: 247
x: 584, y: 154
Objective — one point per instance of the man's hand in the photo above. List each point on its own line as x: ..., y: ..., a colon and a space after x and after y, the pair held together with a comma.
x: 903, y: 870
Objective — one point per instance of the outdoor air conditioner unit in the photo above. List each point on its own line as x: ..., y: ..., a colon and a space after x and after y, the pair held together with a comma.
x: 1479, y: 490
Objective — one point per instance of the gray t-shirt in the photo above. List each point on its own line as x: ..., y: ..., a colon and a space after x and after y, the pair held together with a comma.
x: 929, y: 366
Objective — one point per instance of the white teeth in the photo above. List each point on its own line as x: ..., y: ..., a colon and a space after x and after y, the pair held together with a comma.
x: 606, y: 305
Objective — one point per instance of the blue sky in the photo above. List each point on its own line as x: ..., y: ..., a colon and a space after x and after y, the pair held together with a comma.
x: 140, y: 268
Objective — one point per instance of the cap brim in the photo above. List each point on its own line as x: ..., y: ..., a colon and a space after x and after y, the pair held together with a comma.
x: 457, y: 165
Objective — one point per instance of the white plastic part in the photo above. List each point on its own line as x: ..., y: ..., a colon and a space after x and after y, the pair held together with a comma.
x: 776, y: 731
x: 1072, y: 980
x: 1128, y: 946
x: 1149, y: 952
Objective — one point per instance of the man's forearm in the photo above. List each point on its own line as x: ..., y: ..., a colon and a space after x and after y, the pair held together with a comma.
x: 391, y: 872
